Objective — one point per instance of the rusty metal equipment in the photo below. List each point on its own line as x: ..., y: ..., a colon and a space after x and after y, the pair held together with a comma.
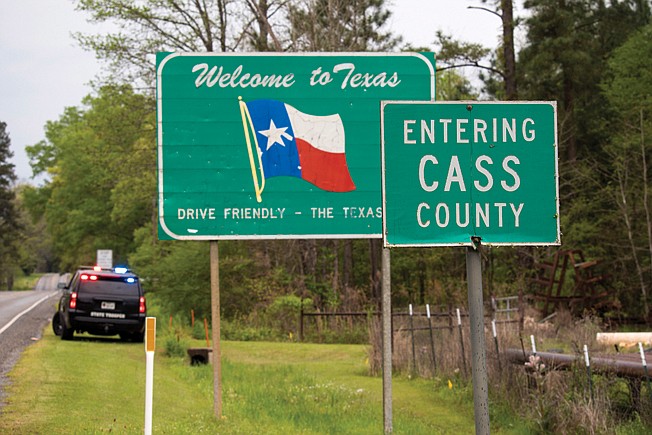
x: 568, y: 280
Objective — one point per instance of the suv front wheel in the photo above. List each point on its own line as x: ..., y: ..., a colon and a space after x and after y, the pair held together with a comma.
x: 56, y: 324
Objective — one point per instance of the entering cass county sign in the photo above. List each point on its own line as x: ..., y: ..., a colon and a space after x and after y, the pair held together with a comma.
x: 456, y: 170
x: 276, y: 145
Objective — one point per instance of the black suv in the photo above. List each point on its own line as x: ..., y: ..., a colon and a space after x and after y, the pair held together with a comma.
x: 102, y: 302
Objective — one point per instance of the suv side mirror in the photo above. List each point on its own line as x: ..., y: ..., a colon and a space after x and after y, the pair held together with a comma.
x: 62, y: 285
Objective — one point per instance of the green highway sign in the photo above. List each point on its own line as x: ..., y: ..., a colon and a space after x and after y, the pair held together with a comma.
x: 456, y: 170
x: 270, y: 145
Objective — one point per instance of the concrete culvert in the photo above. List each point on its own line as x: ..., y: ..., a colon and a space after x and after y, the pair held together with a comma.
x: 200, y: 355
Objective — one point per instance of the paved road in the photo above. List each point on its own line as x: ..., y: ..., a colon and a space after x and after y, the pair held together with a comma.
x: 23, y: 315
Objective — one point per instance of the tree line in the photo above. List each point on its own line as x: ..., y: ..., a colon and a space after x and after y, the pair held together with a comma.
x: 593, y: 57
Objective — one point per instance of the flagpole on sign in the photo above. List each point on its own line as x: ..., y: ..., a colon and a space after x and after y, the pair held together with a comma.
x: 246, y: 122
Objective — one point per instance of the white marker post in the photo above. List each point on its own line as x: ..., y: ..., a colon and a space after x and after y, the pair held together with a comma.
x: 495, y: 334
x: 534, y: 345
x: 432, y: 339
x: 150, y: 346
x: 587, y: 361
x: 644, y: 362
x: 459, y: 327
x: 414, y: 351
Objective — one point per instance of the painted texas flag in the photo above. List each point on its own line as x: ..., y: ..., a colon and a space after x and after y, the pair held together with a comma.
x: 296, y: 144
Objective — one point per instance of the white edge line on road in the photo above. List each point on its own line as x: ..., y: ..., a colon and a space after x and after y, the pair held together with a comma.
x: 19, y: 315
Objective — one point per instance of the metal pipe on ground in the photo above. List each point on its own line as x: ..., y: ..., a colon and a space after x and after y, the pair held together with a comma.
x: 624, y: 339
x: 621, y: 365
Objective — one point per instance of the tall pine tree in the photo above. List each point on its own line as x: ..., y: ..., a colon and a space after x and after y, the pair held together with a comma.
x: 9, y: 228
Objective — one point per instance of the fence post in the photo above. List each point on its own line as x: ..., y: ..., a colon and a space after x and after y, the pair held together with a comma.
x: 301, y: 320
x: 644, y: 362
x: 588, y: 370
x: 450, y: 319
x: 432, y: 340
x: 459, y: 326
x: 521, y: 311
x: 414, y: 354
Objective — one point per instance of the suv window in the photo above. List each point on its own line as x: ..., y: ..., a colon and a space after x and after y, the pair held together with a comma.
x: 116, y: 286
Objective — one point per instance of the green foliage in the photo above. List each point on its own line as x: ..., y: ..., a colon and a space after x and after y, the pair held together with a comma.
x: 564, y: 60
x: 451, y: 86
x: 34, y: 251
x: 629, y: 77
x: 341, y: 25
x: 198, y: 332
x: 454, y: 52
x: 239, y: 330
x: 355, y: 334
x: 182, y: 279
x: 26, y: 282
x: 94, y: 155
x: 9, y: 217
x: 626, y: 87
x: 175, y: 345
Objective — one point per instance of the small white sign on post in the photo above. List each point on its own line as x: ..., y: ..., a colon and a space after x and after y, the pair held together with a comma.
x: 105, y: 258
x: 150, y: 346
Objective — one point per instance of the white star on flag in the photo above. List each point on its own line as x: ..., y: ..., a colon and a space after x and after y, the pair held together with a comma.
x: 274, y: 134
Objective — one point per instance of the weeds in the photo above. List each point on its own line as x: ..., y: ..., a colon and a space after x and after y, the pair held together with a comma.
x: 554, y: 401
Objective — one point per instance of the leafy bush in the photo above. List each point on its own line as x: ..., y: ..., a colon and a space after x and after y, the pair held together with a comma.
x: 358, y: 334
x: 199, y: 332
x: 284, y: 312
x: 175, y: 346
x: 237, y: 330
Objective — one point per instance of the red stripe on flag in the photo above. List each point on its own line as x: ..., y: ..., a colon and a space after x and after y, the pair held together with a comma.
x: 328, y: 171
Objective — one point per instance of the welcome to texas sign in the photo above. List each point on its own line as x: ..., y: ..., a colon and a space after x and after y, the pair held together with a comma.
x: 277, y: 145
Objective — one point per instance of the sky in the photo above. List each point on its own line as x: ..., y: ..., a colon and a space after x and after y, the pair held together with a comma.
x: 43, y: 70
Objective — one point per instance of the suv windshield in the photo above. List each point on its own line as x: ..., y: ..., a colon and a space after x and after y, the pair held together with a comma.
x: 115, y: 286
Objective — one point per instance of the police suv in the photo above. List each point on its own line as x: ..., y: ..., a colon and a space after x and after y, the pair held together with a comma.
x: 101, y: 302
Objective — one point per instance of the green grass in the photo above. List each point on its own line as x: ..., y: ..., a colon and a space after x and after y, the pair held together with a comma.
x: 273, y: 388
x: 28, y: 282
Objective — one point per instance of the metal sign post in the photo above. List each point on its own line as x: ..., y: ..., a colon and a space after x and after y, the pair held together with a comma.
x: 215, y: 314
x: 387, y: 341
x: 478, y: 350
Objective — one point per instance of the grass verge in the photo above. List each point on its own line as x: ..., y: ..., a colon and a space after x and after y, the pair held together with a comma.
x: 26, y: 282
x: 97, y: 386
